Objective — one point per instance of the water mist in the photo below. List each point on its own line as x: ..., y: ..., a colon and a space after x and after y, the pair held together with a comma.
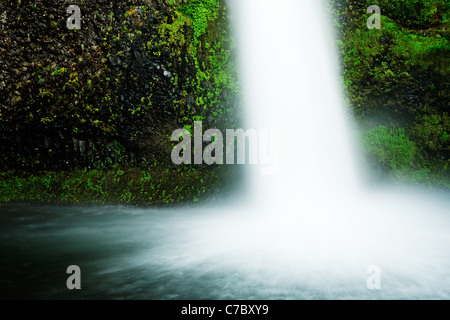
x: 313, y: 224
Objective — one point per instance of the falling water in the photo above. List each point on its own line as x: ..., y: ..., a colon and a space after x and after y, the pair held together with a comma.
x: 291, y: 84
x: 313, y: 221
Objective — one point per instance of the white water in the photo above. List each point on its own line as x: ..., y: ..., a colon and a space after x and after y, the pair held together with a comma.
x: 312, y: 230
x: 291, y: 84
x: 313, y: 224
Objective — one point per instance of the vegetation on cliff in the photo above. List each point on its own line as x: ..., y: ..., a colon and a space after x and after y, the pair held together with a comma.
x: 81, y: 107
x: 86, y: 115
x: 397, y: 82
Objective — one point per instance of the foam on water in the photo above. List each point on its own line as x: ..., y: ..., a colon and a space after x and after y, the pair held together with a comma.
x: 313, y: 222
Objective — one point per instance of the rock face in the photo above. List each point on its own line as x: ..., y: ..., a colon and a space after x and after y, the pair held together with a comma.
x: 113, y: 91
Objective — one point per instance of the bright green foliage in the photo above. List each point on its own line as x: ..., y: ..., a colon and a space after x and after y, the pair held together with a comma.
x: 391, y: 147
x: 153, y: 186
x: 415, y: 13
x: 432, y: 131
x: 215, y: 79
x: 398, y: 76
x: 377, y: 62
x: 201, y: 11
x: 155, y: 67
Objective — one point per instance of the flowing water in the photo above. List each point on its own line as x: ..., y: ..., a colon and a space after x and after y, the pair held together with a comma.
x: 310, y: 231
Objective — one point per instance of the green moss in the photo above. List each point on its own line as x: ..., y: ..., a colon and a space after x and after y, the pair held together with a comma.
x: 216, y: 71
x: 88, y: 98
x: 397, y: 77
x: 391, y: 147
x: 152, y: 186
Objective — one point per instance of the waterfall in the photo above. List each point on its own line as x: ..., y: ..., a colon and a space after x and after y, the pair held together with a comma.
x: 314, y: 220
x: 288, y: 62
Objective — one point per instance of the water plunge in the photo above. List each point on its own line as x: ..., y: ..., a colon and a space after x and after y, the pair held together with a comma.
x: 313, y: 221
x: 291, y: 84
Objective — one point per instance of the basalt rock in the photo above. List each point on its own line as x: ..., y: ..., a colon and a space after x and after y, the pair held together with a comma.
x: 109, y: 92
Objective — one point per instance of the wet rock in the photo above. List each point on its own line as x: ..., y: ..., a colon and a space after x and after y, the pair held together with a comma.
x: 84, y: 91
